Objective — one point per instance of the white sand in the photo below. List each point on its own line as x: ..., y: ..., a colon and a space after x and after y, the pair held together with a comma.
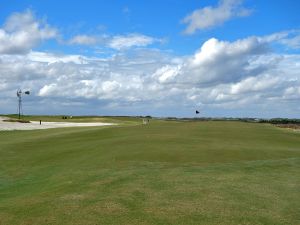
x: 34, y: 125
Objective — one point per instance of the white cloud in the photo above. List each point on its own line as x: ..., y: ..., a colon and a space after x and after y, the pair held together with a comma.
x: 222, y: 75
x: 224, y: 62
x: 293, y: 42
x: 254, y: 84
x: 131, y: 40
x: 167, y: 73
x: 208, y: 17
x: 289, y: 38
x: 22, y: 32
x: 3, y: 85
x: 274, y: 37
x: 117, y: 42
x: 292, y: 93
x: 53, y: 58
x: 48, y: 90
x: 84, y: 40
x: 109, y: 86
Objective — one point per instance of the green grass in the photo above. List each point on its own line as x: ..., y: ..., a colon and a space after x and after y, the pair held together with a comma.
x: 161, y: 173
x: 122, y: 120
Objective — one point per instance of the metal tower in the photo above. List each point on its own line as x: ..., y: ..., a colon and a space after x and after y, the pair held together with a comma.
x: 19, y: 95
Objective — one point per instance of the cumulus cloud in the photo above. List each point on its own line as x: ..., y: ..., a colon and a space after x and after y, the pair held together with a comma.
x: 209, y: 16
x: 218, y: 62
x: 22, y: 32
x: 230, y: 61
x: 220, y: 75
x: 254, y: 84
x: 167, y: 73
x: 48, y: 90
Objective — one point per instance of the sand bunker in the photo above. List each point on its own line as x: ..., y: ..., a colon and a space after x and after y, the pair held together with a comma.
x: 34, y: 125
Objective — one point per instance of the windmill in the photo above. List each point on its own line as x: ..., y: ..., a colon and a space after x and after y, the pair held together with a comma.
x: 19, y: 95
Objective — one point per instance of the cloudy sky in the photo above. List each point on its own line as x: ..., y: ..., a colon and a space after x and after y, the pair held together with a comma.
x: 233, y: 58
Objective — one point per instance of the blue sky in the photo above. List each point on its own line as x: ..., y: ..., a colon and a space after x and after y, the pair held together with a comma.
x: 164, y: 58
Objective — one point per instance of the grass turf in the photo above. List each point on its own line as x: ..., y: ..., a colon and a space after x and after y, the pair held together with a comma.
x: 161, y: 173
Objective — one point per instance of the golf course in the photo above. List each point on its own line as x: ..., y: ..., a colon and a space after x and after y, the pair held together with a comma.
x: 164, y: 172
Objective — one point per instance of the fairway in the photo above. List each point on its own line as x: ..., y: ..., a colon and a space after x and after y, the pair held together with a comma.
x: 166, y: 172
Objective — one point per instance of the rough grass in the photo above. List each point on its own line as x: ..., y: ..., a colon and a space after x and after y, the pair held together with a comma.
x: 16, y: 121
x: 161, y: 173
x: 80, y: 119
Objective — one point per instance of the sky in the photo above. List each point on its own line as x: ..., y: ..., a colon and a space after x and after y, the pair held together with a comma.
x: 225, y: 58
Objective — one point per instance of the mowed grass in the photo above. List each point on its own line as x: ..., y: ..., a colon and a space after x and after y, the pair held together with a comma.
x: 162, y: 173
x: 123, y: 120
